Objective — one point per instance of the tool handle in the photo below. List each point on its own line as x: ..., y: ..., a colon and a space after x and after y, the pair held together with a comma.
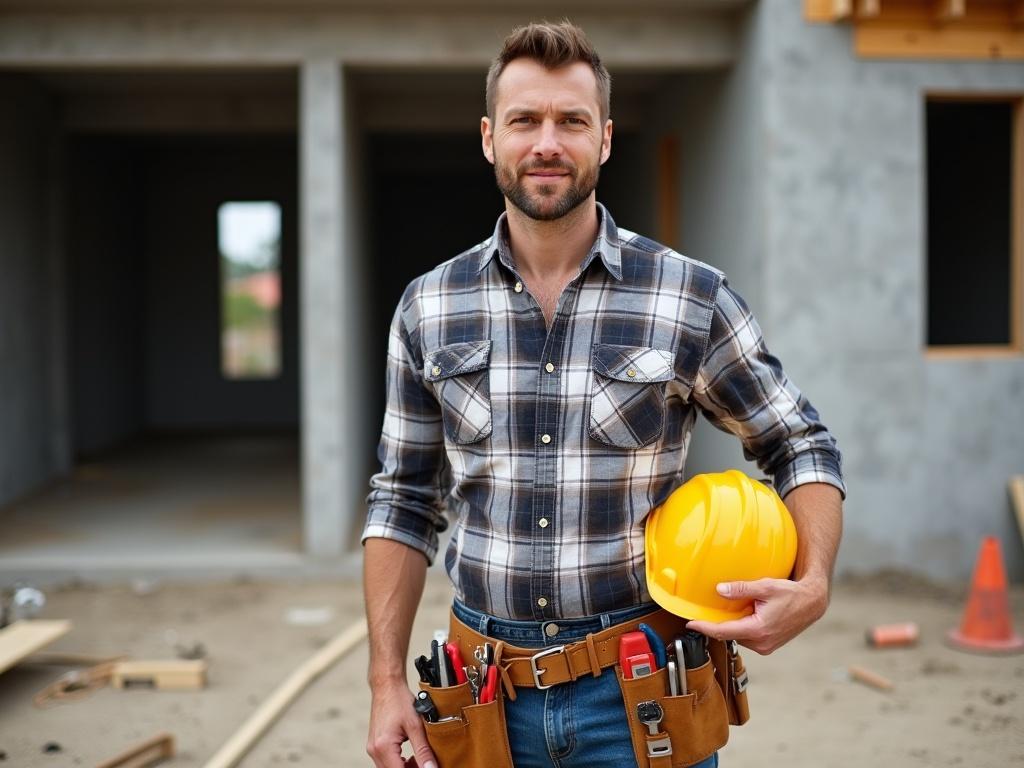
x: 490, y: 687
x: 457, y: 667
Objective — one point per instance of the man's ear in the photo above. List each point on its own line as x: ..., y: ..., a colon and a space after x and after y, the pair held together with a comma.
x: 487, y: 139
x: 606, y: 142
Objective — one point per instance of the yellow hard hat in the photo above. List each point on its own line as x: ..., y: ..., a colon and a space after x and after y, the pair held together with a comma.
x: 714, y: 528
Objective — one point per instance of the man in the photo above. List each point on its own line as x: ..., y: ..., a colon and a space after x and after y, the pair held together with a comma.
x: 543, y: 386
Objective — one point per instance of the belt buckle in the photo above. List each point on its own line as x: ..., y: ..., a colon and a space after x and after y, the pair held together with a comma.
x: 537, y: 671
x: 660, y: 747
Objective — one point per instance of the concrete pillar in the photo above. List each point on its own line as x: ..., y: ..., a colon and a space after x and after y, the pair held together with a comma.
x: 326, y: 405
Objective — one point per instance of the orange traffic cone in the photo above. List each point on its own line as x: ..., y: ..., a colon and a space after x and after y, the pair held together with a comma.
x: 986, y: 623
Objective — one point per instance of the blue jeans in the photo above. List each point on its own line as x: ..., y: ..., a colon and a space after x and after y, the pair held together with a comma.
x: 573, y: 725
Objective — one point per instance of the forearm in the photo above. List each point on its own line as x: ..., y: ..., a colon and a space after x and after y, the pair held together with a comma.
x: 817, y: 510
x: 393, y: 578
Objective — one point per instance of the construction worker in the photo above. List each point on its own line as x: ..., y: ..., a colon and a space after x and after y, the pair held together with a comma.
x: 542, y: 387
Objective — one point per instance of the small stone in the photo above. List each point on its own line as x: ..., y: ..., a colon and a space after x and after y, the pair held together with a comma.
x: 52, y: 748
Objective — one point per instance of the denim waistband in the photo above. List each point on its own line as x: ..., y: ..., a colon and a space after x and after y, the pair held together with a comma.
x: 537, y: 634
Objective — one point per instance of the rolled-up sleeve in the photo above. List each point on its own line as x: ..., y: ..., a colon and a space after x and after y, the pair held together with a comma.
x: 406, y: 500
x: 741, y: 388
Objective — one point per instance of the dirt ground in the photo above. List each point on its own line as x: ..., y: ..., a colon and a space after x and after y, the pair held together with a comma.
x: 947, y: 708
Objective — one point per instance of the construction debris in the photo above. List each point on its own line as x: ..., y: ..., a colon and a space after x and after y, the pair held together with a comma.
x: 242, y: 741
x: 173, y: 675
x: 23, y: 638
x: 149, y: 752
x: 869, y: 678
x: 893, y: 635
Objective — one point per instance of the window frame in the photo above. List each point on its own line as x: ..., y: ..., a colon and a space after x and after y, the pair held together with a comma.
x: 1015, y: 347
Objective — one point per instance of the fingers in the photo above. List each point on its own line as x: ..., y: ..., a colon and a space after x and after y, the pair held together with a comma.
x: 740, y: 629
x: 757, y: 590
x: 392, y: 722
x: 421, y: 749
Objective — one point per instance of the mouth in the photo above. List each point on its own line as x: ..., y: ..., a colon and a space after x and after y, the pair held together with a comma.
x: 547, y: 174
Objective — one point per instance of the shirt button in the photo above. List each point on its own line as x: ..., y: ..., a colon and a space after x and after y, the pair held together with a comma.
x: 551, y: 629
x: 518, y: 287
x: 631, y: 373
x: 542, y: 602
x: 549, y: 367
x: 545, y: 439
x: 436, y: 370
x: 543, y: 522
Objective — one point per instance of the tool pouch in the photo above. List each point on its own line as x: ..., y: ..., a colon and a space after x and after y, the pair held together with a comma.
x: 478, y: 739
x: 696, y: 724
x: 732, y: 679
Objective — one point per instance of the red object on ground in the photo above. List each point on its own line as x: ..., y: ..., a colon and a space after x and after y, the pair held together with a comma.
x: 986, y: 622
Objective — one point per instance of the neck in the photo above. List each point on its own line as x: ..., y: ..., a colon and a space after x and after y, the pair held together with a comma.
x: 545, y: 249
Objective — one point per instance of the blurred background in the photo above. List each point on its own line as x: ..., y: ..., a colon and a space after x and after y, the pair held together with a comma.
x: 208, y: 211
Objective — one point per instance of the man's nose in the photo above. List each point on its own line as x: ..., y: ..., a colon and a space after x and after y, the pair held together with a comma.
x: 547, y: 144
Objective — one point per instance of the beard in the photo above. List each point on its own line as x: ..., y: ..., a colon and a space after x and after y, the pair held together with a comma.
x: 546, y: 204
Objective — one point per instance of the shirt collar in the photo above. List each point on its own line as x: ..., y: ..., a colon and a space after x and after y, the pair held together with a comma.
x: 606, y: 246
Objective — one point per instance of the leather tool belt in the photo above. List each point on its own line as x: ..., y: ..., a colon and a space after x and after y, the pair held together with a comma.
x: 693, y: 727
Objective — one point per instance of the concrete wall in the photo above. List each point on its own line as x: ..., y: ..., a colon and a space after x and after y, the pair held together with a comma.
x: 187, y: 180
x: 928, y: 444
x: 31, y: 428
x: 717, y: 116
x: 106, y: 265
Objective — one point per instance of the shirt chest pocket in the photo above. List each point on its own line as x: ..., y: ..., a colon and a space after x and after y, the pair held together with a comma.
x: 460, y: 376
x: 627, y: 399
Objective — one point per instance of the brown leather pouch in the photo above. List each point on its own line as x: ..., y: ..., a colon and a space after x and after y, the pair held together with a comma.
x: 476, y: 739
x: 732, y: 678
x: 696, y: 724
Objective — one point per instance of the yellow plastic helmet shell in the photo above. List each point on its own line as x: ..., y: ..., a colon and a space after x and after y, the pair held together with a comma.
x: 716, y: 527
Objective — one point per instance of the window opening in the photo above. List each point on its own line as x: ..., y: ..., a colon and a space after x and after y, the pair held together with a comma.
x: 249, y: 240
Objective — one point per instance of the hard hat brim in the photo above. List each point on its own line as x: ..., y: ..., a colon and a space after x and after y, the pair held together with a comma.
x: 688, y: 610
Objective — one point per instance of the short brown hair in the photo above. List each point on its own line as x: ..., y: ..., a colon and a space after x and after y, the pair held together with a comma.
x: 552, y: 45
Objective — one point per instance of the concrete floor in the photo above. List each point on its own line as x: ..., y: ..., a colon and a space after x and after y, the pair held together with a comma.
x: 948, y: 708
x: 162, y: 505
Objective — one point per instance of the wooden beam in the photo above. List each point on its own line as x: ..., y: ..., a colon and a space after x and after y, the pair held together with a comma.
x: 23, y: 638
x: 149, y: 752
x: 948, y: 10
x: 826, y: 11
x: 868, y: 9
x: 924, y: 39
x: 171, y: 675
x: 242, y: 741
x: 1017, y: 13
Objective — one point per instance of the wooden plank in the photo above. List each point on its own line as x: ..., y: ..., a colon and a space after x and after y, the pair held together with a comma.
x: 23, y: 638
x: 241, y: 742
x: 149, y: 752
x: 948, y: 10
x: 867, y: 9
x: 1017, y: 13
x: 1017, y: 499
x: 923, y: 39
x: 827, y: 10
x: 172, y: 675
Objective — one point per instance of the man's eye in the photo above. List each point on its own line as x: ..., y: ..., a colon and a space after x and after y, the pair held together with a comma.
x: 522, y: 120
x: 575, y: 121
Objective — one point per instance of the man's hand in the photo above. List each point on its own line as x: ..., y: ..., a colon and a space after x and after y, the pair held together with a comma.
x: 782, y: 610
x: 393, y: 721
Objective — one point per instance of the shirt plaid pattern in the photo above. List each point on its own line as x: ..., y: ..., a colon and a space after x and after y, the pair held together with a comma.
x: 548, y: 447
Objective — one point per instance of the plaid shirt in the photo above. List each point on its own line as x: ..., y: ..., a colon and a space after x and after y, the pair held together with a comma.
x: 549, y: 446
